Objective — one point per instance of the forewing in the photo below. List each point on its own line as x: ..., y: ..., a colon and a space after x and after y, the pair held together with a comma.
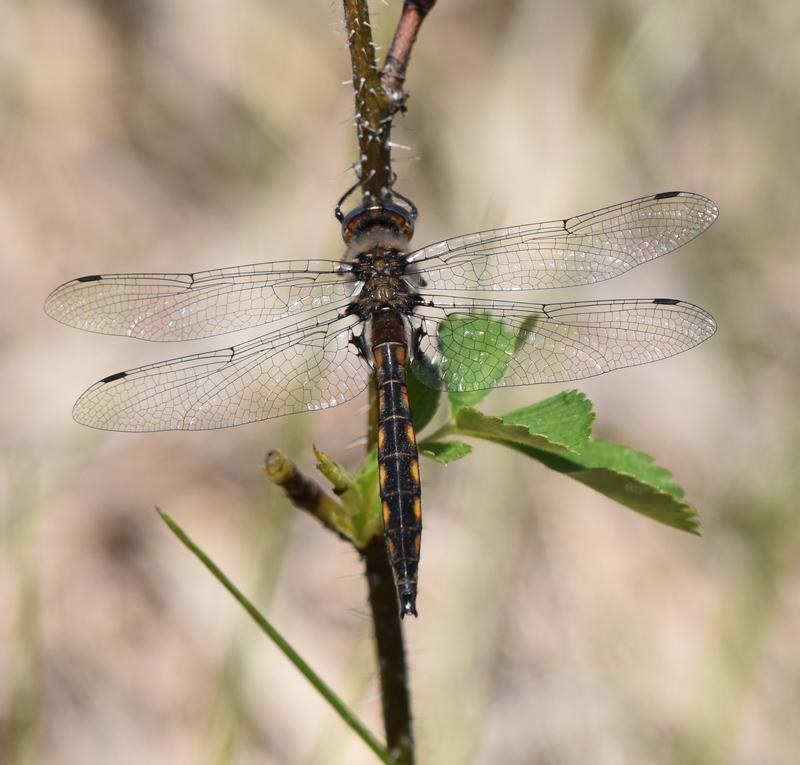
x: 308, y: 368
x: 167, y: 307
x: 475, y: 345
x: 584, y: 249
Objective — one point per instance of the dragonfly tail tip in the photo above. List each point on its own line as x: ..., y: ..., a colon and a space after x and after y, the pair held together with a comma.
x: 408, y: 603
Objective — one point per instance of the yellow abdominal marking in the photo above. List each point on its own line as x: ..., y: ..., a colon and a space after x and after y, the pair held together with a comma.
x: 382, y: 475
x: 386, y: 512
x: 416, y: 508
x: 413, y: 468
x: 410, y: 433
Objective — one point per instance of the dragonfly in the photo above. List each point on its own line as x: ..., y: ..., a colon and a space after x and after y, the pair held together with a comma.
x: 385, y: 311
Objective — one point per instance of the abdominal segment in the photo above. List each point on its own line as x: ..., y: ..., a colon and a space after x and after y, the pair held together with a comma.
x: 398, y: 471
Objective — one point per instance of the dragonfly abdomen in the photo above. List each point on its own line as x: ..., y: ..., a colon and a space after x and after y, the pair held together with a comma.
x: 397, y: 459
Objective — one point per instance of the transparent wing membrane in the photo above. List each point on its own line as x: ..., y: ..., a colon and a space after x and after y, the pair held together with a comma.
x: 312, y: 366
x: 479, y: 344
x: 168, y: 307
x: 581, y: 250
x: 467, y: 344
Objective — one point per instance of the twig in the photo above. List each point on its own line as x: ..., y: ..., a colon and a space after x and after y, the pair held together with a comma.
x: 391, y: 653
x: 394, y: 68
x: 373, y: 108
x: 306, y: 493
x: 379, y: 96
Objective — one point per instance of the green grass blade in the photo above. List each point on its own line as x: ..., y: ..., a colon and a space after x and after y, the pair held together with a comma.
x: 324, y: 690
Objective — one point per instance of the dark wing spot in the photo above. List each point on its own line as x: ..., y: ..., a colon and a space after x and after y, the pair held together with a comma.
x: 111, y: 378
x: 666, y: 301
x: 666, y: 194
x: 93, y: 278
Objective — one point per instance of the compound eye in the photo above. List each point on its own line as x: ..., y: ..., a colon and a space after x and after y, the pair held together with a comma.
x: 387, y: 216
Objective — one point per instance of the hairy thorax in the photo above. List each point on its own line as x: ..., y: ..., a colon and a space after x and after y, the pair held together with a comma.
x: 380, y: 265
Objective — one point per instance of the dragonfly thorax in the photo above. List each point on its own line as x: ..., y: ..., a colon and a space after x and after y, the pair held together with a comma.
x: 382, y: 271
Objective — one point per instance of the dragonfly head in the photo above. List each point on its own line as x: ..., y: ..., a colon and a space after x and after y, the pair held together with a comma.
x: 389, y: 217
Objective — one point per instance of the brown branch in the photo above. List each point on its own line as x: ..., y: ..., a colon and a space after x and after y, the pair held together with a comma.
x: 393, y: 74
x: 373, y: 108
x: 379, y: 96
x: 391, y: 653
x: 306, y: 494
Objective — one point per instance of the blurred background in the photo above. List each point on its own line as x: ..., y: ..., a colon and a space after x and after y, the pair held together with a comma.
x: 556, y: 626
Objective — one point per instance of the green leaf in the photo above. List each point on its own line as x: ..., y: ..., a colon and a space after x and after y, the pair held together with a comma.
x: 471, y: 422
x: 476, y: 351
x: 327, y: 693
x: 367, y: 519
x: 424, y: 400
x: 627, y: 476
x: 560, y: 423
x: 445, y: 451
x: 565, y: 418
x: 556, y: 432
x: 526, y: 331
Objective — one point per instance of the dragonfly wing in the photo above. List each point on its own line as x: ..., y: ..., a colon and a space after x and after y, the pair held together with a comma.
x: 475, y: 345
x: 584, y: 249
x: 168, y: 307
x: 308, y: 368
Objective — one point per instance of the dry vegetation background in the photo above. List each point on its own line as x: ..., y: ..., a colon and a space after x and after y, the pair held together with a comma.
x: 556, y: 627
